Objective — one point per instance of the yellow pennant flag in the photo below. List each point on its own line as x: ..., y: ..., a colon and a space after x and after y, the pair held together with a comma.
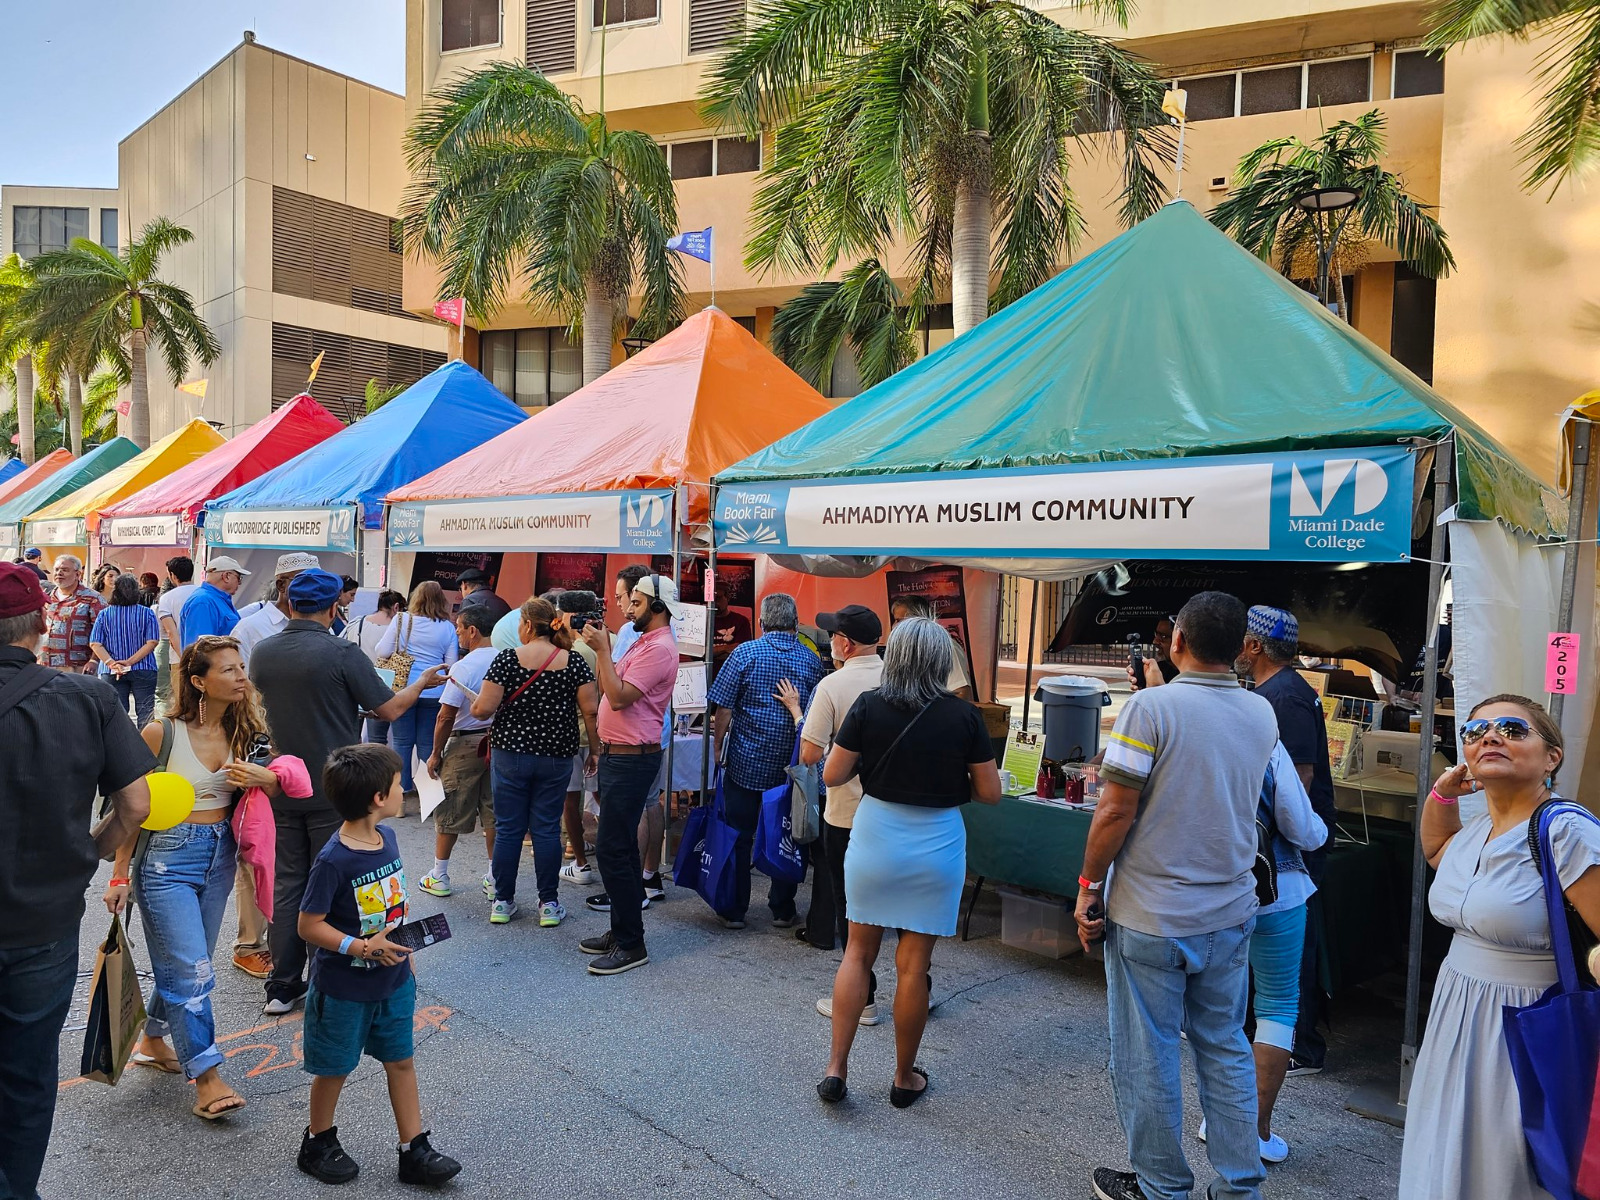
x: 316, y: 365
x: 1175, y: 103
x: 196, y: 387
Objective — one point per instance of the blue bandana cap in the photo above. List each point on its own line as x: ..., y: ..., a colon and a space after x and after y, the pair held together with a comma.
x: 1275, y: 623
x: 314, y: 591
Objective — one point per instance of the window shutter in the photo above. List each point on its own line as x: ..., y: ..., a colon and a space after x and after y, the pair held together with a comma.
x: 553, y: 35
x: 712, y: 23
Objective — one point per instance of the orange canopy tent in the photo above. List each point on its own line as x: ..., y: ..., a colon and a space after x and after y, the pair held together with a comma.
x: 40, y: 471
x: 700, y: 399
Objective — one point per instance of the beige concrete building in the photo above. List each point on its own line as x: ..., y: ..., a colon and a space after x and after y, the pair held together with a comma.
x: 34, y: 220
x: 289, y: 175
x: 1511, y: 337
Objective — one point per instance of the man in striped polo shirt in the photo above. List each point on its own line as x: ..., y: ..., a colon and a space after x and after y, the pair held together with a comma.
x: 1175, y: 829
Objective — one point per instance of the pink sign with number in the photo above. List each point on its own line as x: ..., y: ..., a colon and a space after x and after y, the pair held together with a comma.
x: 1561, y: 664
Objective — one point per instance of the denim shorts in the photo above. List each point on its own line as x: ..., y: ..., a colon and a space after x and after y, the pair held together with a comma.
x: 337, y: 1031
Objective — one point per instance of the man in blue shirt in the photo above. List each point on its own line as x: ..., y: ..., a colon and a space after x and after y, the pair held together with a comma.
x: 759, y: 735
x: 210, y: 610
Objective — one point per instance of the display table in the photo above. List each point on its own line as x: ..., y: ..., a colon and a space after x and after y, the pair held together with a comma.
x: 1365, y: 893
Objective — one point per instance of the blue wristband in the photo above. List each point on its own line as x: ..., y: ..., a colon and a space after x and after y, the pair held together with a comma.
x: 344, y: 946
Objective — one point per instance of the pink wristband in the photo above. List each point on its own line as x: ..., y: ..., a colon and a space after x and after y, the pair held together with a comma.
x: 1433, y: 795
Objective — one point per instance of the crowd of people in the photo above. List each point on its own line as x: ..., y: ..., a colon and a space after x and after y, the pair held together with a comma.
x: 303, y: 729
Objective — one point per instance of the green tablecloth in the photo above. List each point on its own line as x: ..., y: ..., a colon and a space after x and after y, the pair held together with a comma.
x: 1365, y: 894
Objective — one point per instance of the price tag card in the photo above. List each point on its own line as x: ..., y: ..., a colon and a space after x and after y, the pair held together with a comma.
x: 1561, y: 664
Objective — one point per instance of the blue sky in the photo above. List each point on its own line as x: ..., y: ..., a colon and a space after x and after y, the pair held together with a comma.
x: 63, y: 121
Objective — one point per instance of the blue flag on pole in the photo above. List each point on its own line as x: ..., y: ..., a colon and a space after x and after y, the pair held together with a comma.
x: 696, y: 243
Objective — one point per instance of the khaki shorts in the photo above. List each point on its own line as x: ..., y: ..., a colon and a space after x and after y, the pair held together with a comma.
x: 468, y: 797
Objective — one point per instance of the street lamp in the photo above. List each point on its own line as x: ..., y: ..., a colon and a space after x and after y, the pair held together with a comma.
x: 632, y: 345
x: 1322, y: 204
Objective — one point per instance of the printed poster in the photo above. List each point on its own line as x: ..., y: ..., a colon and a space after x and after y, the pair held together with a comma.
x: 572, y: 573
x: 736, y: 596
x: 944, y: 588
x: 445, y: 566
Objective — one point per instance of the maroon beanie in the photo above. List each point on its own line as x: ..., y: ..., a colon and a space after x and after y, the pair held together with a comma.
x: 19, y: 590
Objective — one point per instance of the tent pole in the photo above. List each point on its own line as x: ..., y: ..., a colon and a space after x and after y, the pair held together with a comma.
x: 708, y: 581
x: 672, y: 723
x: 1373, y: 1102
x: 1027, y: 672
x: 1577, y: 518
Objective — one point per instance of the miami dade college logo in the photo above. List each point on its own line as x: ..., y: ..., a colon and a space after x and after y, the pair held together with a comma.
x: 1371, y: 486
x: 645, y: 512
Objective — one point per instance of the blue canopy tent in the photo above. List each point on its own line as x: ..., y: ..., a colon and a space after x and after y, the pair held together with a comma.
x: 327, y: 498
x: 12, y: 468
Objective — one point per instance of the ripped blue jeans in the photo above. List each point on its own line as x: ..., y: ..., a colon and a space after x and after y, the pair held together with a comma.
x: 183, y: 887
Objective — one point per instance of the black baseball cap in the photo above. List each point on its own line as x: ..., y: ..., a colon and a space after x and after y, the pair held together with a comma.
x: 473, y: 575
x: 856, y: 621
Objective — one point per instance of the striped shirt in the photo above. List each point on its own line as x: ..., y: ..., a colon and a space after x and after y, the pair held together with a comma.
x: 123, y: 629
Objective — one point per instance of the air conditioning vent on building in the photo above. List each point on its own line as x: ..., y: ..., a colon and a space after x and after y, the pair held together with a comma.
x: 1219, y: 183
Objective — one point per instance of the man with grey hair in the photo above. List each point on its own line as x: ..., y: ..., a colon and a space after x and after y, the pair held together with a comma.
x: 66, y: 738
x: 755, y: 737
x: 69, y: 614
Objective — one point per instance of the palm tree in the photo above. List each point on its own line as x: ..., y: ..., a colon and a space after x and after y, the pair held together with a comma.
x: 951, y: 124
x: 98, y: 416
x: 17, y: 349
x: 1565, y: 137
x: 117, y: 303
x: 515, y: 185
x: 1260, y: 213
x: 865, y: 310
x: 378, y: 395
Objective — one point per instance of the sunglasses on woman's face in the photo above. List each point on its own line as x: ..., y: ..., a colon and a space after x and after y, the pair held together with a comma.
x: 1511, y: 729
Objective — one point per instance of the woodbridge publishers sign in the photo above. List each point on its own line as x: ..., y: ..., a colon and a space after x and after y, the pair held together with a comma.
x: 1337, y: 505
x: 283, y: 528
x: 614, y: 522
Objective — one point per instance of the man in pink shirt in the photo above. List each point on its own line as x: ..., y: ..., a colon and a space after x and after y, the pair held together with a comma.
x: 634, y: 698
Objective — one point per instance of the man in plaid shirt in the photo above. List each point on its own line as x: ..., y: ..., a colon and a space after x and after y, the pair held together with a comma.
x: 69, y: 614
x: 760, y: 735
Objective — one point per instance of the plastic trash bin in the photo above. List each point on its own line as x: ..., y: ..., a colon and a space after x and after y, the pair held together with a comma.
x: 1072, y: 705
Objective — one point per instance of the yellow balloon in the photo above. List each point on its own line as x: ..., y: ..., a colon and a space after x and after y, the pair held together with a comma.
x: 171, y: 799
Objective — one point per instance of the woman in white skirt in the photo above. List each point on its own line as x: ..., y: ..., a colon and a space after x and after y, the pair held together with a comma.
x: 921, y: 753
x: 1463, y: 1125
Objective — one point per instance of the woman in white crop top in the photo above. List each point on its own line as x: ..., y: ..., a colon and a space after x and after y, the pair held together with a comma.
x: 186, y: 872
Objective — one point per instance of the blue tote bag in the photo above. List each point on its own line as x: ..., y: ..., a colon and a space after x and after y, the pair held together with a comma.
x: 775, y: 853
x: 686, y: 868
x: 1554, y: 1043
x: 706, y: 861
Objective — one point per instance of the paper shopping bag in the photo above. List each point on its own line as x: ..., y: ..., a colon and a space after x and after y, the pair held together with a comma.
x: 116, y: 1010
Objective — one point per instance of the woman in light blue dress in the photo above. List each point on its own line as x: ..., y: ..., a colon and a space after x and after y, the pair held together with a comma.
x: 921, y: 754
x: 1464, y: 1136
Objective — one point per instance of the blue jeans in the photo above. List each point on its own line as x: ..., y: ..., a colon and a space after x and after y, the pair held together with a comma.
x: 742, y: 809
x: 530, y: 791
x: 625, y: 786
x: 414, y: 727
x: 138, y: 686
x: 1156, y: 986
x: 36, y: 985
x: 183, y: 887
x: 1275, y: 949
x: 375, y: 731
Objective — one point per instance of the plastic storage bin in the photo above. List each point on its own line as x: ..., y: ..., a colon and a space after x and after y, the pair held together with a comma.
x: 1039, y: 924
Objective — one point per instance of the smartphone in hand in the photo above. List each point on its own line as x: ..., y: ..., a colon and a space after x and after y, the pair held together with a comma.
x: 1136, y: 660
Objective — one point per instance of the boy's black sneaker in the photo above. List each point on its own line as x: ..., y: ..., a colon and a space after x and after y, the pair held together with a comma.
x: 322, y: 1157
x: 1116, y: 1185
x: 601, y: 943
x: 421, y: 1163
x: 619, y: 960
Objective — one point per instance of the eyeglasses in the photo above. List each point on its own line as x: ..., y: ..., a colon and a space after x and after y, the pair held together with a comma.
x: 1512, y: 729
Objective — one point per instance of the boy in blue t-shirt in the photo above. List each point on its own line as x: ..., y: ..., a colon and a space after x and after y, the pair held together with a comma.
x: 363, y: 995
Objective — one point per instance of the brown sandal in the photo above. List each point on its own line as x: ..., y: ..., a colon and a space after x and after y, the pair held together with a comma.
x: 210, y: 1112
x: 166, y: 1067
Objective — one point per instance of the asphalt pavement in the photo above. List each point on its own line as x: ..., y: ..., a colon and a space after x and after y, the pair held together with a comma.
x: 692, y: 1076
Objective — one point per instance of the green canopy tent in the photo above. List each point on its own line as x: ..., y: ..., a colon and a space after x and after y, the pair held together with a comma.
x: 1169, y: 397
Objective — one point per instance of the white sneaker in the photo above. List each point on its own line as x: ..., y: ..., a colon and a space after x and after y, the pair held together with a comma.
x: 277, y: 1007
x: 869, y: 1014
x: 1274, y: 1149
x: 573, y: 873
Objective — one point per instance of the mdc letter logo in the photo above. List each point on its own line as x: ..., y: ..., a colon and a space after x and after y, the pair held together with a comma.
x: 645, y: 512
x: 1371, y: 486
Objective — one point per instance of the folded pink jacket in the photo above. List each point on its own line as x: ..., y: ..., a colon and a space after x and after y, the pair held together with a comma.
x: 255, y: 831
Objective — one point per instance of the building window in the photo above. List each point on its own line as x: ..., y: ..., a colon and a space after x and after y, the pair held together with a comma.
x: 1313, y: 84
x: 552, y: 36
x: 108, y: 229
x: 624, y: 12
x: 37, y: 230
x: 712, y: 156
x: 347, y: 365
x: 322, y: 250
x: 1411, y: 328
x: 532, y: 367
x: 469, y: 23
x: 1418, y: 73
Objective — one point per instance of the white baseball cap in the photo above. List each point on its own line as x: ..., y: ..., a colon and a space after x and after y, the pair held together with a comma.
x: 223, y: 562
x: 668, y: 593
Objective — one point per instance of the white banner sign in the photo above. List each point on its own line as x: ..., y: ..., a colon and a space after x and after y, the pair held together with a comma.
x: 9, y: 538
x: 276, y: 529
x: 167, y: 530
x: 66, y: 532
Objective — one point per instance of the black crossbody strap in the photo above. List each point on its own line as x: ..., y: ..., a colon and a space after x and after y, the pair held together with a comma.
x: 23, y: 684
x: 895, y: 745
